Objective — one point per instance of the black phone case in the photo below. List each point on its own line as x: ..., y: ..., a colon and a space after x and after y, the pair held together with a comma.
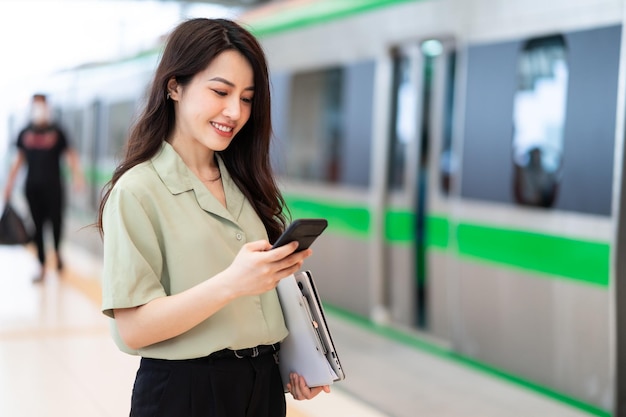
x: 305, y: 231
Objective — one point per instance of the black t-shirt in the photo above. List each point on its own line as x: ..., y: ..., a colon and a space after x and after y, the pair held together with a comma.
x: 43, y: 147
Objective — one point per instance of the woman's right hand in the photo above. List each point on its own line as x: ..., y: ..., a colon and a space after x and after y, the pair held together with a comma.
x: 258, y: 268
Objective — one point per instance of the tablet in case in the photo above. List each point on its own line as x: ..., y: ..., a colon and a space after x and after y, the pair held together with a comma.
x: 308, y: 349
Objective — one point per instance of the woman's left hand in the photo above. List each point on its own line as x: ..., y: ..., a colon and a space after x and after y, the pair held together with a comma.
x: 300, y: 390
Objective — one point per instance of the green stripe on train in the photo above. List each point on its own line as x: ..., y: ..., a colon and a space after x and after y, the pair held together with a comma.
x: 314, y: 13
x: 344, y: 219
x: 554, y: 256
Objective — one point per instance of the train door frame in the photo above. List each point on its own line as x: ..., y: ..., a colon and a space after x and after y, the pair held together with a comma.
x: 385, y: 82
x: 96, y: 133
x: 405, y: 288
x: 442, y: 160
x: 383, y: 78
x: 390, y: 297
x: 617, y: 284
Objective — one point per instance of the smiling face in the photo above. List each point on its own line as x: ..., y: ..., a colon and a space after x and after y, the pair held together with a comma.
x: 215, y: 105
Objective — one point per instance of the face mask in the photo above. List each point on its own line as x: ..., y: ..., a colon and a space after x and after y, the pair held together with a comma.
x: 39, y: 113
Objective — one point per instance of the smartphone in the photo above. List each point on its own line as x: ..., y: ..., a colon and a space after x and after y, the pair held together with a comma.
x: 305, y: 231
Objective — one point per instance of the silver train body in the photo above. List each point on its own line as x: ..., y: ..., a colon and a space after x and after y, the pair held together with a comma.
x: 468, y: 156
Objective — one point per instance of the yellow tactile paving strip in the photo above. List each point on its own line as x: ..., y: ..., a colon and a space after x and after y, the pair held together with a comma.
x: 89, y: 287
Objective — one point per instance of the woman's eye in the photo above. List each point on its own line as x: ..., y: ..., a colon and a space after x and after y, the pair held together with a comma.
x: 220, y: 93
x: 246, y: 99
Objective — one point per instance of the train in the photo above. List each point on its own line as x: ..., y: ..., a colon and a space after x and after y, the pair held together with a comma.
x: 468, y: 156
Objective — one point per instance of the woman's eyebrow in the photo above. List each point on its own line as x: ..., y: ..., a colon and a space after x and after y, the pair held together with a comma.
x: 222, y: 80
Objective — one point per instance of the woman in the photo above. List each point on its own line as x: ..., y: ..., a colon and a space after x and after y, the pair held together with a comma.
x: 189, y: 276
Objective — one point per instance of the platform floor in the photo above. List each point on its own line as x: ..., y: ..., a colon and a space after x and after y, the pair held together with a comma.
x: 57, y: 359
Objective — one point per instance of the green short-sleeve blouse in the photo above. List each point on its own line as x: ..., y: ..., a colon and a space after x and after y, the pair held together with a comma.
x: 164, y: 232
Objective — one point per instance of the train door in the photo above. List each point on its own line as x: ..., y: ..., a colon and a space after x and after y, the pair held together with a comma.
x: 419, y: 177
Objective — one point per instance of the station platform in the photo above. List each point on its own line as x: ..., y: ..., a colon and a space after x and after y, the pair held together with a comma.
x: 57, y: 359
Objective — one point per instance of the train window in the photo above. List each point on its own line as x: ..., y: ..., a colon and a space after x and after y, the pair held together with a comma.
x: 448, y: 164
x: 315, y: 131
x: 577, y: 152
x: 538, y: 120
x: 404, y: 110
x: 329, y: 130
x: 120, y: 117
x: 71, y: 121
x: 422, y: 107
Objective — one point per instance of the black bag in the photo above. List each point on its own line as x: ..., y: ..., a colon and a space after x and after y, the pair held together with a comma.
x: 13, y: 231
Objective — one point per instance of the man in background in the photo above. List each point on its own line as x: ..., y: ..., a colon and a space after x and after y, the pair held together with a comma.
x: 41, y: 146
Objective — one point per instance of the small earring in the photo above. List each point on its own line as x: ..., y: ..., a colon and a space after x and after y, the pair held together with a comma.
x: 169, y: 96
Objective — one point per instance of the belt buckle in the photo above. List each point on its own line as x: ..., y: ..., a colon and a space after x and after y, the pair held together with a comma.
x: 255, y: 353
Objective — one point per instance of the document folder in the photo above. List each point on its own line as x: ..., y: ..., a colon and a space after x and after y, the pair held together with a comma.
x: 308, y: 349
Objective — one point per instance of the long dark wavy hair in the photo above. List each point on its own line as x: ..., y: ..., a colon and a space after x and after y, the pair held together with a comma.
x: 189, y: 49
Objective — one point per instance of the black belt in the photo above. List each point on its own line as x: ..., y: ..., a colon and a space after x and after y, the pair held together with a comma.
x: 252, y: 352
